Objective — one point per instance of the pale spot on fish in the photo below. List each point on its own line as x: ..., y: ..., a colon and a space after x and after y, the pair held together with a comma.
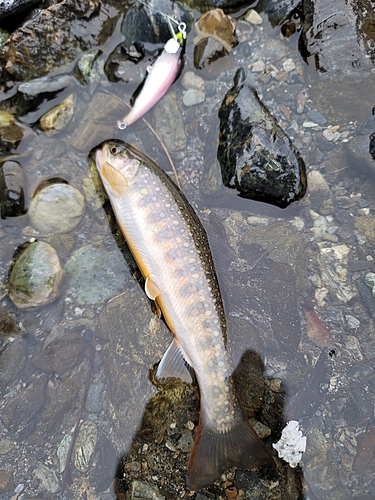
x: 186, y: 244
x: 191, y: 260
x: 195, y: 275
x: 175, y: 222
x: 167, y: 205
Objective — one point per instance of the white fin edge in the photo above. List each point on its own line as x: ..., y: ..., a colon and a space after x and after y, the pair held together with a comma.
x: 173, y: 364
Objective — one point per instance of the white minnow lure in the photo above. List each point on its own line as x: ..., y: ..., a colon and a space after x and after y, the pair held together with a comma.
x: 160, y: 77
x: 171, y: 249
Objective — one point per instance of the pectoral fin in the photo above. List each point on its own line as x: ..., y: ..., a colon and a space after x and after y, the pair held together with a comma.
x: 173, y: 364
x: 116, y: 179
x: 151, y: 289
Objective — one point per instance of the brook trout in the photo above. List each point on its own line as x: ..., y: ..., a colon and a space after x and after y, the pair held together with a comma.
x: 171, y: 249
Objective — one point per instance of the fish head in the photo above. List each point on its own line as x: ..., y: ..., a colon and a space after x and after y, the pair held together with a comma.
x: 119, y: 157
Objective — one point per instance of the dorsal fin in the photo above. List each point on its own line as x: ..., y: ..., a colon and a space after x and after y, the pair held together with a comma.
x: 115, y: 178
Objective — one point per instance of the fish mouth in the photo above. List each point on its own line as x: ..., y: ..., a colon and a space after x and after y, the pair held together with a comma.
x: 101, y: 155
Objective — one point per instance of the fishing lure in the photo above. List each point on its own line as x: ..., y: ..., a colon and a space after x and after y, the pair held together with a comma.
x: 161, y: 75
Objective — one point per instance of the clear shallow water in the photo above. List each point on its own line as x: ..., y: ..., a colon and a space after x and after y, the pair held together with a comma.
x: 88, y: 355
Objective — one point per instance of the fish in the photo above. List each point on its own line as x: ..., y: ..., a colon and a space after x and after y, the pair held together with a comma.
x: 161, y: 74
x: 171, y: 249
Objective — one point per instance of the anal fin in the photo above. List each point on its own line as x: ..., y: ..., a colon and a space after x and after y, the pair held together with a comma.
x: 173, y: 364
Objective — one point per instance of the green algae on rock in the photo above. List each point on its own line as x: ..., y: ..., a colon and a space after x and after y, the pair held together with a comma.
x: 36, y: 276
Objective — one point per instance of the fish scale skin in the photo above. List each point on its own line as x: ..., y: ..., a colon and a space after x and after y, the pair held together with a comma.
x: 170, y: 247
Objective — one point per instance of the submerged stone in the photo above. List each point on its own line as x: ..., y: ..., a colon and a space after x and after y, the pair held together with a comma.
x: 12, y: 194
x: 57, y: 208
x: 36, y: 276
x: 59, y: 116
x: 255, y: 155
x: 85, y: 446
x: 219, y: 26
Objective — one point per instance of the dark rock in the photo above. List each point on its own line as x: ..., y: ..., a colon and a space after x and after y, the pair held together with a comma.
x: 255, y: 155
x: 6, y: 481
x: 12, y: 194
x: 21, y: 409
x: 207, y: 51
x: 316, y: 117
x: 12, y: 7
x: 54, y: 38
x: 250, y: 383
x: 12, y: 360
x: 103, y: 470
x: 10, y: 137
x: 148, y: 24
x: 62, y: 402
x: 61, y: 354
x: 336, y: 42
x: 278, y: 10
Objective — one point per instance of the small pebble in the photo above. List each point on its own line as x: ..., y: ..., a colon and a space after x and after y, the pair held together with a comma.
x: 193, y: 97
x: 258, y: 66
x: 352, y: 322
x: 288, y: 65
x: 253, y: 17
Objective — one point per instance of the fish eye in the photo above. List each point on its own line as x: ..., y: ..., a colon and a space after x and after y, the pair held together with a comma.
x: 114, y: 150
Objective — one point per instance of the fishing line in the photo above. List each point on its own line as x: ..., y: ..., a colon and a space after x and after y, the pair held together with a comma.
x: 181, y: 26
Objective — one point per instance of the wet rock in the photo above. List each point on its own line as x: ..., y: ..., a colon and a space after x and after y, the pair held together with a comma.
x: 6, y: 446
x: 57, y: 208
x: 36, y: 276
x: 8, y: 325
x: 215, y: 24
x: 250, y: 383
x: 193, y: 97
x: 4, y: 35
x: 22, y: 408
x: 98, y: 121
x: 146, y: 24
x: 85, y: 446
x: 253, y: 17
x: 333, y: 262
x: 90, y: 280
x: 12, y: 189
x: 365, y: 457
x: 366, y: 226
x: 6, y: 481
x: 320, y: 193
x: 358, y: 150
x: 321, y: 476
x: 316, y: 331
x: 54, y: 37
x: 103, y: 470
x: 94, y: 402
x: 128, y: 357
x: 168, y: 122
x: 12, y: 361
x: 190, y: 80
x: 63, y: 450
x: 48, y: 479
x: 255, y: 155
x: 6, y: 119
x: 207, y: 51
x: 44, y: 85
x: 60, y: 354
x: 186, y: 441
x: 63, y: 399
x: 10, y: 137
x: 142, y: 490
x: 59, y: 116
x: 336, y: 42
x: 11, y: 7
x: 278, y: 10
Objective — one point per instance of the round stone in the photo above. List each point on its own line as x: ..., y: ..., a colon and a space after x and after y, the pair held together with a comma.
x: 57, y: 208
x: 36, y: 276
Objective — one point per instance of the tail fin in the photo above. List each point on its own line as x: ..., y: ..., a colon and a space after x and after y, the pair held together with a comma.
x: 215, y: 452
